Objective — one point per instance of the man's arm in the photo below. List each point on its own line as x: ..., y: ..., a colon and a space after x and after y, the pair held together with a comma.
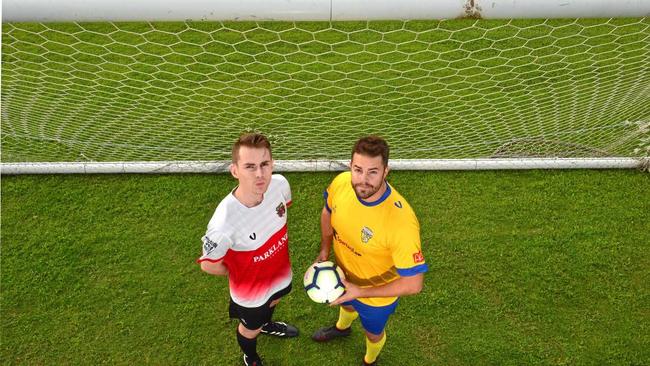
x: 409, y: 285
x: 214, y: 268
x: 327, y: 234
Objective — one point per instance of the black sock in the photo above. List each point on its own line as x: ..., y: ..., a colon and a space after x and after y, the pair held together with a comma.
x: 271, y: 317
x: 249, y: 346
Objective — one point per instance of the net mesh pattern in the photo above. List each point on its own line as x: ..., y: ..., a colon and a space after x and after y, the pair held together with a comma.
x: 149, y: 91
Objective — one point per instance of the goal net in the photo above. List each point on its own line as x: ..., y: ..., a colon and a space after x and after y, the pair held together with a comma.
x: 436, y: 89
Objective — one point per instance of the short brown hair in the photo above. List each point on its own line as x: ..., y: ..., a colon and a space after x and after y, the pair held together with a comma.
x: 372, y: 146
x: 253, y: 140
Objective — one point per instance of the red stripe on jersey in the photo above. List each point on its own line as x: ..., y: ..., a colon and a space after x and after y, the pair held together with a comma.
x: 252, y: 274
x: 289, y: 204
x: 209, y: 260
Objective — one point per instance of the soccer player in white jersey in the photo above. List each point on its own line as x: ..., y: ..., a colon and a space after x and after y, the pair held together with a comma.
x: 247, y: 242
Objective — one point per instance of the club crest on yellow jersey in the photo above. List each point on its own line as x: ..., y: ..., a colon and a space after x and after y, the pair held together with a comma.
x: 366, y: 234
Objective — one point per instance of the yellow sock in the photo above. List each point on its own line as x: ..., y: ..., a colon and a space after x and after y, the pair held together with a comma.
x: 373, y: 349
x: 346, y: 318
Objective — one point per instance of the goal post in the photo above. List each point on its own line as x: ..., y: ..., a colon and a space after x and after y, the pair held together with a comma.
x: 166, y: 167
x: 313, y: 10
x: 111, y: 87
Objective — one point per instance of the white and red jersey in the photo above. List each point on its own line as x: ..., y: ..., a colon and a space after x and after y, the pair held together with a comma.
x: 253, y: 244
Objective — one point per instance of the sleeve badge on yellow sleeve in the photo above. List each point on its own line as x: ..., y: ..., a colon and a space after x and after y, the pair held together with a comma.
x: 418, y: 257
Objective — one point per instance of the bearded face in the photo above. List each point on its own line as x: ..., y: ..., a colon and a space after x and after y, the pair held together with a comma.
x: 368, y: 175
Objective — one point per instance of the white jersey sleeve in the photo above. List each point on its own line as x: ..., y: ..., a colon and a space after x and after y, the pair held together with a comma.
x: 285, y: 188
x: 215, y: 246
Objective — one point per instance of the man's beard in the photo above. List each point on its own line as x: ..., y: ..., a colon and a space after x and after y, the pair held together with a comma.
x: 369, y: 190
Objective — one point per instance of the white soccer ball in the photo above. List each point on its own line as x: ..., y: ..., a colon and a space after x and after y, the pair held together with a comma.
x: 323, y: 282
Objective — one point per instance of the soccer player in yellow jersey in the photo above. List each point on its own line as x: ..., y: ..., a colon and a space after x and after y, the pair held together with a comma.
x: 376, y: 240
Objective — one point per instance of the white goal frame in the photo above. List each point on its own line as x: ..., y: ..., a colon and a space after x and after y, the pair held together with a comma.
x: 313, y: 10
x: 318, y: 10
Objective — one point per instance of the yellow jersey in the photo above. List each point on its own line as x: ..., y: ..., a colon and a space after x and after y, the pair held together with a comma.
x: 374, y: 242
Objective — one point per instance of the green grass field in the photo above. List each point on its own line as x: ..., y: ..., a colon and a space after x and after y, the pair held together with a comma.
x: 439, y: 89
x: 526, y: 268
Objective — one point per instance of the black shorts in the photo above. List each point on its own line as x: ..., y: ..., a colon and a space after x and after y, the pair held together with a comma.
x: 255, y: 318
